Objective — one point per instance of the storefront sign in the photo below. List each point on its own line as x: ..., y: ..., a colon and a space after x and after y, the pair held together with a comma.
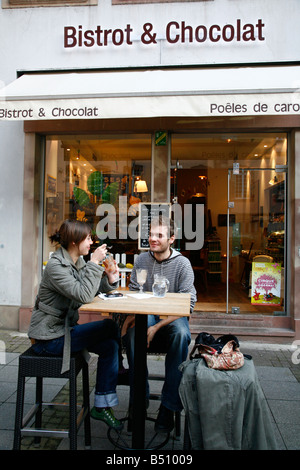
x: 118, y: 34
x: 226, y: 92
x: 174, y: 32
x: 266, y: 282
x: 151, y: 106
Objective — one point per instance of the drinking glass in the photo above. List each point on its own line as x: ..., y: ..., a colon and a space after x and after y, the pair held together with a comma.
x: 141, y: 276
x: 160, y: 286
x: 109, y: 263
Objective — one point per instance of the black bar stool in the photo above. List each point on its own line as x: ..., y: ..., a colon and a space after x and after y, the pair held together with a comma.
x: 40, y: 367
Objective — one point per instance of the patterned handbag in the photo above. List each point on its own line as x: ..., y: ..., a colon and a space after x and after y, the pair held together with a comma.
x: 229, y: 358
x: 217, y: 355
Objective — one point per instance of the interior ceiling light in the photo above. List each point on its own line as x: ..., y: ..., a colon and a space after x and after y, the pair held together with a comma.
x: 140, y: 186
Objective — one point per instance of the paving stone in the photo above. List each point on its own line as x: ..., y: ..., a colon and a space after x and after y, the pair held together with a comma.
x: 278, y: 375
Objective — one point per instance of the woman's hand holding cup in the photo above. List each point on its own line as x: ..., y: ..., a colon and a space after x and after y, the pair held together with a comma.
x: 111, y: 269
x: 99, y: 254
x: 110, y: 265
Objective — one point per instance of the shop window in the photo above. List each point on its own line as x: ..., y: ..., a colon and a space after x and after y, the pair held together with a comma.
x: 98, y: 180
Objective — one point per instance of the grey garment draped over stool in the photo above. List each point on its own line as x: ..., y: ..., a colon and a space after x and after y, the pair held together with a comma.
x: 226, y: 410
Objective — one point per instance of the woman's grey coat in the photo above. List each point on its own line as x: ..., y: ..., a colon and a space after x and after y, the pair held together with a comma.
x: 65, y: 286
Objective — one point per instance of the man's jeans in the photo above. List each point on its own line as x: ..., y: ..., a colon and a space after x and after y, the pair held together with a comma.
x: 102, y: 338
x: 173, y: 339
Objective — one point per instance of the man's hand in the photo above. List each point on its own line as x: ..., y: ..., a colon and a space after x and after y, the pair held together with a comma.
x: 151, y: 333
x: 128, y: 323
x: 152, y: 330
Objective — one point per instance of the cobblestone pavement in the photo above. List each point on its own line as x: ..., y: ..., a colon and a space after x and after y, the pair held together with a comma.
x: 266, y: 355
x: 263, y: 354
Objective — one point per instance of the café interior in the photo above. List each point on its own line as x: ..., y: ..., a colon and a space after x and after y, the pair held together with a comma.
x: 240, y: 179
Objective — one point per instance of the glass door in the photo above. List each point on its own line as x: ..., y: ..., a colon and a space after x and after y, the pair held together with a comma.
x: 256, y: 221
x: 256, y: 239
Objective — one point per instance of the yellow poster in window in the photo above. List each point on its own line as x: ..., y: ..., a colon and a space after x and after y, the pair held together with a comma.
x: 266, y: 281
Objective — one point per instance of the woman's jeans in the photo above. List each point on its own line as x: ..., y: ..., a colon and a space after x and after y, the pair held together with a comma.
x: 99, y: 337
x: 173, y: 339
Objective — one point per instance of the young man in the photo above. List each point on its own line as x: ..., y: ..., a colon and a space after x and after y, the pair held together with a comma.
x: 171, y: 335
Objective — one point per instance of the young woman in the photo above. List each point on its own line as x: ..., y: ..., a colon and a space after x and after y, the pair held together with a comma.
x: 67, y: 283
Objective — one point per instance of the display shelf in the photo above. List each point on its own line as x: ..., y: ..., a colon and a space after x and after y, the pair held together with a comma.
x: 275, y: 246
x: 214, y: 258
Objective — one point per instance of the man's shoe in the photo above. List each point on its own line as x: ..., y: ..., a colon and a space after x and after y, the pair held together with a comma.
x: 165, y: 420
x: 107, y: 416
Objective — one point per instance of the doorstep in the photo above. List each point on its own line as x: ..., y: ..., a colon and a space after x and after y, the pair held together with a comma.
x: 261, y: 328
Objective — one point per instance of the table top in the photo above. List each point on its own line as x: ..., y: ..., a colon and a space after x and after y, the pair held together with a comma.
x: 171, y: 305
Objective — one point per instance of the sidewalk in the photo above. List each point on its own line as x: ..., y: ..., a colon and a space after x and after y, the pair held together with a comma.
x: 279, y: 378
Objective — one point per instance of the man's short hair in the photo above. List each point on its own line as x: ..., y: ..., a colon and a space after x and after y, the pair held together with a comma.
x: 165, y: 222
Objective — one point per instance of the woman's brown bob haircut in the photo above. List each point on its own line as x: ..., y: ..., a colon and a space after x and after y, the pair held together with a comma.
x: 71, y: 231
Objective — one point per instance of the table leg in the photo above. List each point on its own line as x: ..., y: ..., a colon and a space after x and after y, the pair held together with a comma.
x: 139, y: 386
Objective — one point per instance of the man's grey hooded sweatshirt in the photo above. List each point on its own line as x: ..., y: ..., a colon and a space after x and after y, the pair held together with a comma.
x: 177, y: 269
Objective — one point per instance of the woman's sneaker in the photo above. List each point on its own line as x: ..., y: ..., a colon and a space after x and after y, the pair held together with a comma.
x: 107, y: 415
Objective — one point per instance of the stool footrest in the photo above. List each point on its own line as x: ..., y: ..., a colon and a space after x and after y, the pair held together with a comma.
x: 156, y: 377
x: 62, y: 433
